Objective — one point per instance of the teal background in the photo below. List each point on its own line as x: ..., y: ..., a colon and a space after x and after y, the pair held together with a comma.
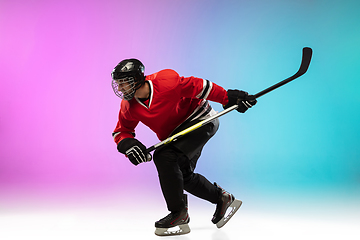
x: 58, y: 109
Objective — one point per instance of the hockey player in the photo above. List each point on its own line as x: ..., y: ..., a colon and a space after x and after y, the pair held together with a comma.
x: 168, y: 103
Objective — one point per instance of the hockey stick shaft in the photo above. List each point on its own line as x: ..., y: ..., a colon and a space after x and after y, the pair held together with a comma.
x: 191, y: 128
x: 306, y: 58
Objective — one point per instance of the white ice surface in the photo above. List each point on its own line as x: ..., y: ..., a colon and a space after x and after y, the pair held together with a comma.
x: 118, y: 221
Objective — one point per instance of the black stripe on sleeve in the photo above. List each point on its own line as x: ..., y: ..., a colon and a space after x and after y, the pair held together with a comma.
x: 206, y: 89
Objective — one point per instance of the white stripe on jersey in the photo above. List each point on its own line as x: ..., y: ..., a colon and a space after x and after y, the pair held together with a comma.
x: 207, y: 86
x: 115, y: 134
x: 208, y: 91
x: 204, y: 106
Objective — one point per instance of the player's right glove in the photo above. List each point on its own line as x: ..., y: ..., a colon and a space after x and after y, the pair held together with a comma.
x: 241, y: 98
x: 134, y: 150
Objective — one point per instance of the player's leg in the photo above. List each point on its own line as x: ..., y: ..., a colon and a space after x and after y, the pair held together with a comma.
x: 171, y: 182
x: 199, y: 186
x: 195, y: 183
x: 226, y: 207
x: 168, y: 157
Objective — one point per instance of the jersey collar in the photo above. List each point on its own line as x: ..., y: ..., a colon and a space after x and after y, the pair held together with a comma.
x: 151, y: 87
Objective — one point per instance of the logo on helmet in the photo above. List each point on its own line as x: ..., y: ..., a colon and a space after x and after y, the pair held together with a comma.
x: 129, y: 66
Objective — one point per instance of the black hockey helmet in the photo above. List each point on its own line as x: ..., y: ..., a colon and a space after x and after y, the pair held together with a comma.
x: 129, y: 72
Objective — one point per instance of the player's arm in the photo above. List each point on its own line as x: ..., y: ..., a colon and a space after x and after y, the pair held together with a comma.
x: 205, y: 89
x: 124, y: 137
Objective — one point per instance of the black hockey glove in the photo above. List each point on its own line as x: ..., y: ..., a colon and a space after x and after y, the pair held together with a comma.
x: 133, y: 149
x: 243, y: 99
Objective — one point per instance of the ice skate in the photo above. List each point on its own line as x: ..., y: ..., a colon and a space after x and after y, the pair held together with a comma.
x: 175, y: 223
x: 225, y: 208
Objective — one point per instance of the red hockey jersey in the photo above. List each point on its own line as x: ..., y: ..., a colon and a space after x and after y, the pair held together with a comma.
x: 173, y: 99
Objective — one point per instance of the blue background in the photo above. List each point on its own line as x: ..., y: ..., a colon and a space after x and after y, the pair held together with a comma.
x: 58, y: 109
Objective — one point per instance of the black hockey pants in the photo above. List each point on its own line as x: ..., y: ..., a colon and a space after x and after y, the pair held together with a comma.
x: 176, y: 162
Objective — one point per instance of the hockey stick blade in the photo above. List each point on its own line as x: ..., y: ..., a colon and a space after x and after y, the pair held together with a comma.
x: 305, y: 63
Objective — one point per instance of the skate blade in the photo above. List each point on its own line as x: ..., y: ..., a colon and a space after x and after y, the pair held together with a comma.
x: 177, y: 230
x: 235, y: 205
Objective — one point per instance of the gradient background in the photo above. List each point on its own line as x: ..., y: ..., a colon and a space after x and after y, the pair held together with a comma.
x: 300, y: 144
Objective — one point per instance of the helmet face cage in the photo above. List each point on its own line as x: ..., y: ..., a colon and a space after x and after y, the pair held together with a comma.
x: 128, y: 76
x: 124, y: 88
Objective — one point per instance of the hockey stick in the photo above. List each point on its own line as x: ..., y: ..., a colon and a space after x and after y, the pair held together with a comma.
x: 305, y: 62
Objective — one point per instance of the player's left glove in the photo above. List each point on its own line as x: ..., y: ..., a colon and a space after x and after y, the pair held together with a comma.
x: 241, y: 98
x: 134, y: 150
